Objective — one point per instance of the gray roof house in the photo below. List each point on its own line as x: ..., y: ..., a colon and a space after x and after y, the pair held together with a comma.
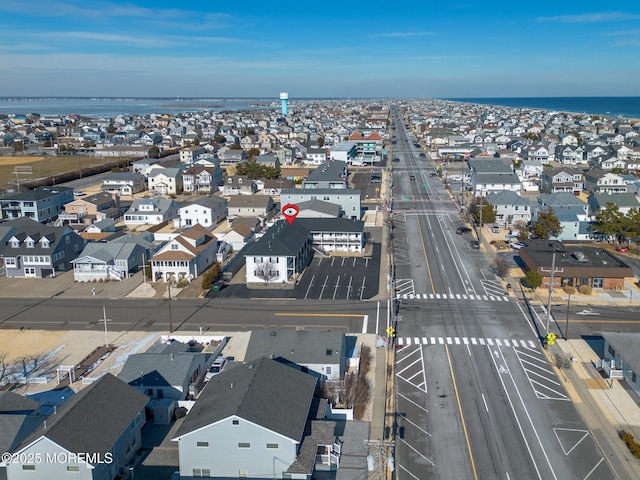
x: 249, y: 421
x: 510, y: 208
x: 103, y: 422
x: 42, y: 204
x: 35, y: 250
x: 622, y: 354
x: 108, y: 261
x: 124, y: 183
x: 318, y: 209
x: 166, y: 371
x: 492, y: 175
x: 624, y: 201
x: 348, y: 199
x: 151, y: 211
x: 19, y: 417
x: 320, y: 353
x: 331, y: 174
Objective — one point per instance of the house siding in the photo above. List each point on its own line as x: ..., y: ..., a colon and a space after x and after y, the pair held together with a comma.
x: 223, y: 457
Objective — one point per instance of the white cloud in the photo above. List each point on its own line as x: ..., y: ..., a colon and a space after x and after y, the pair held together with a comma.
x: 401, y: 34
x: 591, y: 17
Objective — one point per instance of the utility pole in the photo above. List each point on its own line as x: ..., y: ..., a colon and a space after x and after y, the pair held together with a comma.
x: 553, y: 272
x: 169, y: 298
x: 566, y: 325
x: 105, y: 320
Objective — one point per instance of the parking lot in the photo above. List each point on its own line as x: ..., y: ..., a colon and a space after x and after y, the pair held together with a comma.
x: 341, y: 278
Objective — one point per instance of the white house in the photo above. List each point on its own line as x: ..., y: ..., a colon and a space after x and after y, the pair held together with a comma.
x: 165, y: 181
x: 510, y: 208
x: 249, y: 422
x: 186, y: 256
x: 150, y: 211
x: 207, y: 211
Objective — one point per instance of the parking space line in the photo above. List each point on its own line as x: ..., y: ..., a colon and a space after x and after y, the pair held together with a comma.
x: 354, y: 261
x: 335, y: 290
x: 408, y: 366
x: 309, y: 287
x: 417, y: 452
x: 362, y: 288
x: 404, y: 468
x: 349, y: 287
x: 324, y: 285
x: 404, y: 416
x: 411, y: 401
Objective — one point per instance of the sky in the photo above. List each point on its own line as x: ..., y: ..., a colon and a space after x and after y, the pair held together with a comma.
x: 319, y: 49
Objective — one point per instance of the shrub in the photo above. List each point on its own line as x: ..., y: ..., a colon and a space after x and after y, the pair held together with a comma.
x: 532, y: 279
x: 211, y: 275
x: 632, y: 445
x: 570, y: 290
x: 585, y: 289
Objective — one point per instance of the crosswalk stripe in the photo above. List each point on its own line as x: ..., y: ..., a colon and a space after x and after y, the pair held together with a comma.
x: 458, y: 296
x: 465, y: 340
x: 425, y: 341
x: 505, y: 298
x: 449, y: 342
x: 464, y: 296
x: 506, y: 343
x: 433, y: 340
x: 497, y: 298
x: 474, y: 341
x: 416, y: 340
x: 482, y: 341
x: 523, y: 344
x: 400, y: 341
x: 532, y: 344
x: 457, y: 340
x: 498, y: 342
x: 431, y: 296
x: 485, y: 297
x: 490, y: 342
x: 408, y: 341
x: 441, y: 340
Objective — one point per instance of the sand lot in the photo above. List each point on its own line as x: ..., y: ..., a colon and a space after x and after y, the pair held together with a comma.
x: 42, y: 352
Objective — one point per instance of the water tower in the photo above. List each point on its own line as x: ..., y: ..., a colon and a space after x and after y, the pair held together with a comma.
x: 284, y: 98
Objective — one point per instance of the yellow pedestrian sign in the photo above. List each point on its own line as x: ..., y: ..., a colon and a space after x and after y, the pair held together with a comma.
x: 391, y: 332
x: 551, y: 338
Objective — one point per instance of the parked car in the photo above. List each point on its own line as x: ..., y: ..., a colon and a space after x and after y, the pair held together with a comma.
x: 216, y: 367
x: 475, y: 244
x: 463, y: 230
x: 495, y: 229
x: 412, y: 177
x: 622, y: 249
x: 517, y: 245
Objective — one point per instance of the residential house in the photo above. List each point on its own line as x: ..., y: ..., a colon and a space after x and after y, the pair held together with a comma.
x: 249, y: 422
x: 345, y: 152
x: 237, y: 237
x: 258, y: 206
x: 207, y: 211
x: 322, y: 354
x: 231, y: 156
x: 492, y: 175
x: 316, y: 156
x: 238, y: 185
x: 575, y: 265
x: 19, y: 417
x: 186, y: 256
x: 624, y: 201
x: 36, y: 250
x: 200, y: 179
x: 151, y: 211
x: 188, y: 155
x: 273, y: 186
x: 510, y: 208
x: 101, y: 422
x: 621, y: 358
x: 89, y: 209
x: 330, y: 175
x: 166, y: 370
x: 107, y: 261
x: 531, y: 168
x: 280, y: 255
x: 268, y: 161
x: 572, y: 213
x: 165, y: 181
x: 124, y: 183
x: 42, y: 204
x: 599, y: 181
x: 143, y: 165
x: 556, y: 180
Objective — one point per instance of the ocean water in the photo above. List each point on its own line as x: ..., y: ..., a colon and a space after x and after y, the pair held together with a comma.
x: 111, y: 107
x: 628, y: 107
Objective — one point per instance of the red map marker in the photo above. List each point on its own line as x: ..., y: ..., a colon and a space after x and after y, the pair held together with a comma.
x: 290, y: 212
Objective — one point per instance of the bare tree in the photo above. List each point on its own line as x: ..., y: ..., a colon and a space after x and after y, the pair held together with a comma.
x: 266, y: 271
x: 501, y: 266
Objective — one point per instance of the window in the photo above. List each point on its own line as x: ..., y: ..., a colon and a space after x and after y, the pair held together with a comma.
x: 244, y: 445
x: 30, y: 243
x: 73, y: 468
x: 272, y: 445
x: 10, y: 262
x: 15, y: 243
x: 28, y: 467
x: 202, y: 444
x: 235, y: 422
x: 327, y: 370
x: 174, y: 246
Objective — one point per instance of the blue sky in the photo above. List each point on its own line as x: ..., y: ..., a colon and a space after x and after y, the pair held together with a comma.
x: 319, y: 49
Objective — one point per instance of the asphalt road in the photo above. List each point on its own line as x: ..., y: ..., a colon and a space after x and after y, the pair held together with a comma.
x: 476, y: 396
x: 187, y: 315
